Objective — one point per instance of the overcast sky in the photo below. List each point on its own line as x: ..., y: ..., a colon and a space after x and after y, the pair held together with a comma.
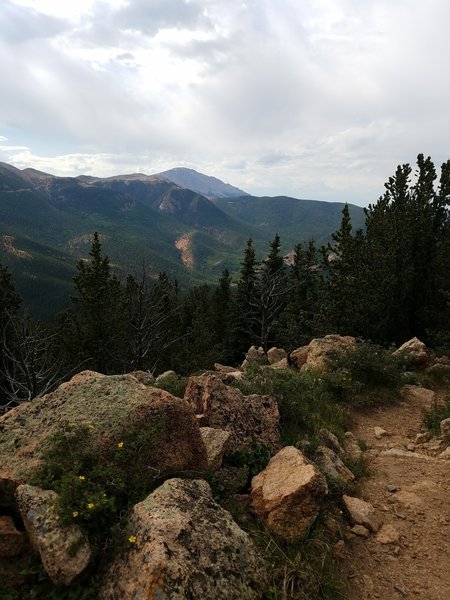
x: 309, y: 98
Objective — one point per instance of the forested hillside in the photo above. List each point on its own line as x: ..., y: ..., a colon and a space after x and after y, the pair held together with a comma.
x: 386, y: 283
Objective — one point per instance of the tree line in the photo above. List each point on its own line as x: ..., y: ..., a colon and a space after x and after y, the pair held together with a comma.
x: 386, y: 283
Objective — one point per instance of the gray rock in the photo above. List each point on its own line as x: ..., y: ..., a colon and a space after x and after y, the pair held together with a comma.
x: 48, y: 536
x: 379, y: 432
x: 332, y: 465
x: 186, y: 546
x: 330, y: 440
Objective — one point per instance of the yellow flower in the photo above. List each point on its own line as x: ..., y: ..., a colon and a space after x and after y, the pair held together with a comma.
x: 120, y: 445
x: 132, y: 539
x: 75, y: 513
x: 81, y: 477
x: 91, y: 505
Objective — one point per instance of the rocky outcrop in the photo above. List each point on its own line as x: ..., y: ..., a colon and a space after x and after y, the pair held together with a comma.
x: 63, y: 551
x: 287, y: 495
x: 216, y: 443
x: 414, y: 353
x: 318, y: 353
x: 109, y: 405
x: 184, y: 545
x: 248, y: 418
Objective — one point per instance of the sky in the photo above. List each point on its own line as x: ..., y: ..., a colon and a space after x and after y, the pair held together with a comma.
x: 313, y: 99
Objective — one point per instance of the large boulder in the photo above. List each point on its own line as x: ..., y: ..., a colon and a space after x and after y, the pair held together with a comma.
x: 287, y: 495
x: 255, y: 356
x: 318, y: 353
x: 110, y: 406
x: 249, y: 419
x: 63, y: 551
x: 414, y: 353
x: 184, y: 545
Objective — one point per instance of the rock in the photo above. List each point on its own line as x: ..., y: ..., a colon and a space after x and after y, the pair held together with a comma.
x: 281, y: 364
x: 320, y: 351
x: 54, y: 541
x: 186, y: 546
x: 275, y: 355
x: 392, y: 488
x: 249, y: 419
x: 340, y: 550
x: 379, y: 432
x: 414, y: 353
x: 165, y: 375
x: 110, y: 406
x: 216, y: 443
x: 422, y: 438
x: 332, y: 465
x: 352, y: 447
x: 143, y: 377
x: 223, y: 368
x: 399, y: 453
x: 361, y: 513
x: 287, y: 495
x: 360, y: 530
x: 415, y: 393
x: 444, y: 426
x: 445, y: 455
x: 11, y: 540
x: 299, y: 357
x: 330, y: 440
x: 388, y: 535
x: 255, y: 356
x: 440, y: 371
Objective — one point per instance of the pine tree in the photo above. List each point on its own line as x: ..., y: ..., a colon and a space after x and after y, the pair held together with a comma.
x: 246, y: 316
x: 100, y: 306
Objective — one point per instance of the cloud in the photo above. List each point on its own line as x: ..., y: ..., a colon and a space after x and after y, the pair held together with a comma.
x: 19, y: 24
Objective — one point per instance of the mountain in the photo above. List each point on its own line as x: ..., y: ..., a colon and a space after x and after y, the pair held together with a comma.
x: 211, y: 187
x: 47, y: 222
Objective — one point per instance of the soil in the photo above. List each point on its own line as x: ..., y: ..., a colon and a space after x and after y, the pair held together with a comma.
x: 410, y: 489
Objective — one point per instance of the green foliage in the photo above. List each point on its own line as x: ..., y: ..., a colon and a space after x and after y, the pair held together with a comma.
x: 433, y: 417
x: 173, y: 384
x: 96, y: 485
x: 365, y: 375
x: 305, y: 401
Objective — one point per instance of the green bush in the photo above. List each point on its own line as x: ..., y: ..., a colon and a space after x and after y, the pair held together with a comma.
x: 174, y: 384
x: 433, y: 417
x: 98, y: 484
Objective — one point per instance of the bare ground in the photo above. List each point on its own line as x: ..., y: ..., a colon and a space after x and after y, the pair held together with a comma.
x: 411, y: 492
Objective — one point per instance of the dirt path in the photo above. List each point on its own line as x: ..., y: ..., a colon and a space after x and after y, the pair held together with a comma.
x: 410, y: 488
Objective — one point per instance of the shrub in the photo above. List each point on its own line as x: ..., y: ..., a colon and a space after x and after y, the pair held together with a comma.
x: 174, y: 384
x: 432, y: 418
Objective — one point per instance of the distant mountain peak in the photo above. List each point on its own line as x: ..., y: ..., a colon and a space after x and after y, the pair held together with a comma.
x: 208, y: 186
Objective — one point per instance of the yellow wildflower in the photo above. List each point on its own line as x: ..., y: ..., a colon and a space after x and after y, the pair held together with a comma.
x: 91, y: 505
x: 81, y: 477
x: 75, y: 514
x: 120, y: 445
x: 132, y: 539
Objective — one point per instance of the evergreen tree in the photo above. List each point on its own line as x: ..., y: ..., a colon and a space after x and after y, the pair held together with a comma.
x: 246, y: 317
x: 223, y: 313
x: 100, y: 307
x: 9, y: 298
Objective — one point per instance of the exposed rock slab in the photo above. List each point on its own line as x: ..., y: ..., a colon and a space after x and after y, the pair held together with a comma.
x: 287, y: 495
x: 248, y: 418
x: 186, y: 546
x: 110, y: 405
x: 48, y: 536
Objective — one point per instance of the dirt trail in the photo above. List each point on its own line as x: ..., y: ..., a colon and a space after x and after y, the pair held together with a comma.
x: 411, y: 492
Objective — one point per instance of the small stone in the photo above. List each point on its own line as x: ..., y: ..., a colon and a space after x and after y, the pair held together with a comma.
x: 421, y: 438
x: 392, y: 489
x: 330, y: 440
x: 445, y: 428
x: 361, y: 513
x: 11, y: 540
x: 401, y: 589
x: 360, y: 530
x: 411, y: 448
x: 379, y: 432
x: 388, y: 535
x: 340, y: 549
x: 216, y: 443
x: 446, y: 454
